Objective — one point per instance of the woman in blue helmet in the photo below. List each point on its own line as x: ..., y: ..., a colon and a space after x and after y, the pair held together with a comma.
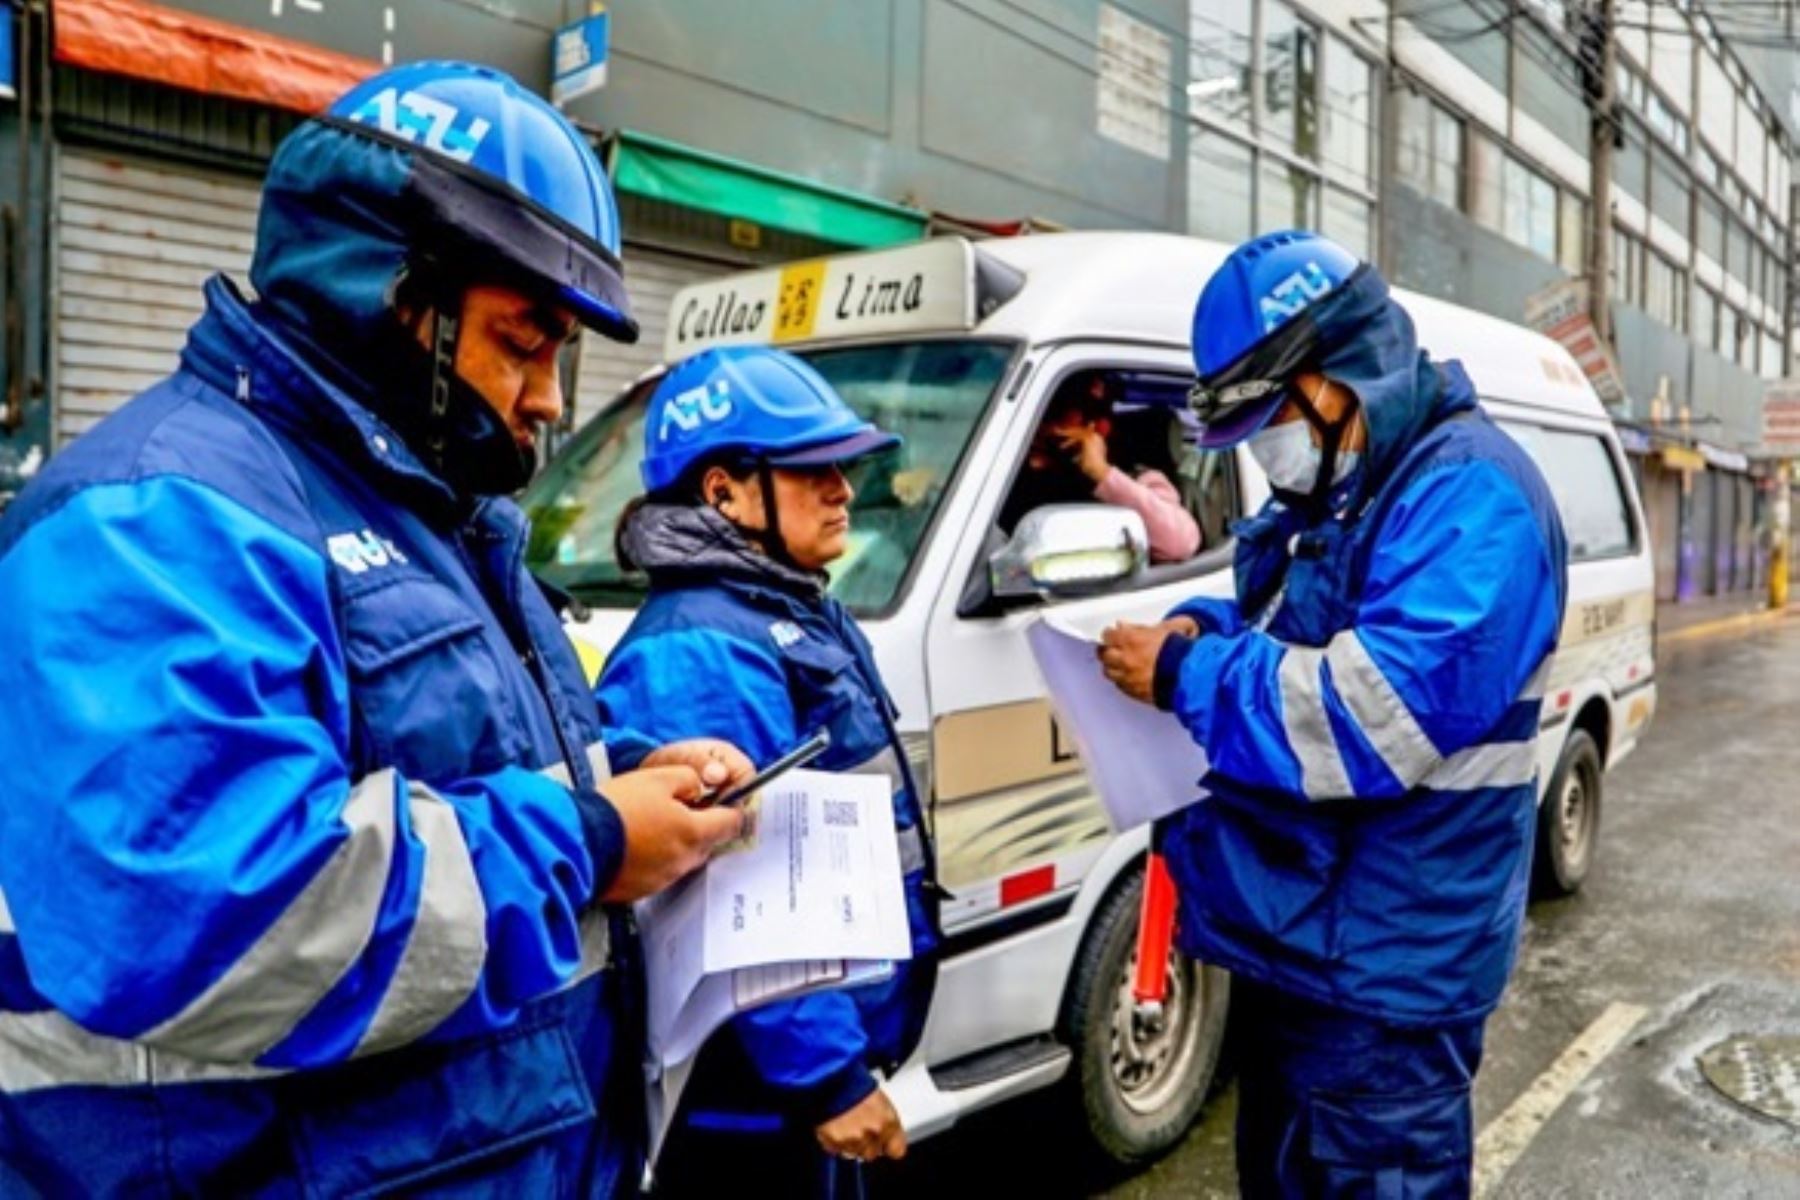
x: 308, y: 854
x: 747, y: 504
x: 1369, y: 707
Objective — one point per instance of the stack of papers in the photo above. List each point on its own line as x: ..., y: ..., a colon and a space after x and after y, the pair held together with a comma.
x: 1140, y: 759
x: 811, y: 898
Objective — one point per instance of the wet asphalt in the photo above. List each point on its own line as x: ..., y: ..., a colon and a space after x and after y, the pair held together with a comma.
x: 1691, y: 913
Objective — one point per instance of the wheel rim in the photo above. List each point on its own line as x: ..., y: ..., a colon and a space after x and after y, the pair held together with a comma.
x: 1150, y: 1063
x: 1577, y: 811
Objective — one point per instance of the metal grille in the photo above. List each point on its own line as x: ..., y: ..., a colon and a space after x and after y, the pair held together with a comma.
x: 134, y: 244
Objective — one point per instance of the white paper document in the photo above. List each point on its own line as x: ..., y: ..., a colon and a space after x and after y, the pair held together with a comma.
x: 1140, y: 759
x: 812, y: 899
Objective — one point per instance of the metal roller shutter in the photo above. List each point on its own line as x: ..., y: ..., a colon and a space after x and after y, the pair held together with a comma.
x: 134, y: 243
x: 652, y: 277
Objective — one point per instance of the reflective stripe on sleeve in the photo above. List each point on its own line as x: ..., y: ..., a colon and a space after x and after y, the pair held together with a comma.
x: 447, y: 946
x: 1378, y: 709
x: 1308, y: 728
x: 46, y: 1049
x: 1495, y: 765
x: 912, y: 849
x: 300, y: 957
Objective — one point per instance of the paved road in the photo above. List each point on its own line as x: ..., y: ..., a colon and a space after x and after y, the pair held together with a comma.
x: 1692, y: 915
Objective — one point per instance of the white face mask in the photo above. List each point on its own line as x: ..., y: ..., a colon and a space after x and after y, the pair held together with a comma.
x: 1291, y: 459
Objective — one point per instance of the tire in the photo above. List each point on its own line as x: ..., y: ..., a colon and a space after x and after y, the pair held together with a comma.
x: 1568, y: 824
x: 1136, y: 1089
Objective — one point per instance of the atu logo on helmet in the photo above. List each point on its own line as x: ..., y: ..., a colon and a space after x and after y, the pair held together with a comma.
x: 1291, y: 295
x: 415, y: 117
x: 695, y: 407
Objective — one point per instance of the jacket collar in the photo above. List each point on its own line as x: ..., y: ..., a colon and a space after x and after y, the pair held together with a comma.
x: 687, y: 543
x: 241, y: 350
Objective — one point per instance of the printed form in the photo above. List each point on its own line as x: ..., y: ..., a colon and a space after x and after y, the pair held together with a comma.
x: 1139, y: 758
x: 811, y: 899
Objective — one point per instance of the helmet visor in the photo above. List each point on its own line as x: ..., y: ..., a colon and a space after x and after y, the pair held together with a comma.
x: 502, y: 227
x: 841, y: 450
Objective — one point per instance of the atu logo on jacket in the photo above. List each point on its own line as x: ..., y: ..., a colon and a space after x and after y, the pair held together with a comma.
x: 359, y: 552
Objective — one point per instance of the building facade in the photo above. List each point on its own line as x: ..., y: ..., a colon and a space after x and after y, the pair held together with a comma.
x: 1449, y: 139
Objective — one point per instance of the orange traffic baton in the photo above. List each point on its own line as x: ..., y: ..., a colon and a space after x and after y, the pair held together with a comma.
x: 1156, y: 932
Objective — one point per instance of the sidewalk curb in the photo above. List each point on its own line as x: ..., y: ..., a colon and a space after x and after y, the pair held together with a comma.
x: 1737, y: 623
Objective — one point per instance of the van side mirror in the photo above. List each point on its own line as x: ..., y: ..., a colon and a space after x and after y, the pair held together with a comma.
x: 1070, y: 550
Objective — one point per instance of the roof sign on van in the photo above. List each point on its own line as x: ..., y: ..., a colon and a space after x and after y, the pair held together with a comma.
x: 928, y: 285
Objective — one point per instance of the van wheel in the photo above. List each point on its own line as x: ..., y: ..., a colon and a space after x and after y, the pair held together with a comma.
x: 1568, y: 827
x: 1138, y: 1085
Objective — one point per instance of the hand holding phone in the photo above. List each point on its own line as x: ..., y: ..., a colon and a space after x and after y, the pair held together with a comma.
x: 799, y: 756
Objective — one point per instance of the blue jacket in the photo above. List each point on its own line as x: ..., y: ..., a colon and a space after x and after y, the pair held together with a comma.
x: 294, y: 899
x: 733, y: 645
x: 1369, y: 706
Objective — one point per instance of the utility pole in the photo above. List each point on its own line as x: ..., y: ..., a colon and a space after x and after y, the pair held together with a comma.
x: 1596, y: 48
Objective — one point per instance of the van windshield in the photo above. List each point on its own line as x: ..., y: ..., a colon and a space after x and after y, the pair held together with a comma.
x: 932, y: 393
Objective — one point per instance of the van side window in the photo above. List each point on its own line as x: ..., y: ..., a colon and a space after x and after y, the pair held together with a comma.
x: 1584, y: 478
x: 1134, y: 430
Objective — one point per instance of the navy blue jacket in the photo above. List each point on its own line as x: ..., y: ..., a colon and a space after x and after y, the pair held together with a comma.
x: 731, y: 644
x: 1369, y: 706
x: 299, y: 846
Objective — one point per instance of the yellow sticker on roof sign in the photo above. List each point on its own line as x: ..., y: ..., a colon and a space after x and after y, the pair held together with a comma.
x: 797, y: 300
x: 924, y: 286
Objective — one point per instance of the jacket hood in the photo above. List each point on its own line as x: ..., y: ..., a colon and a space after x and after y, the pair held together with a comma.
x: 330, y: 247
x: 1366, y: 341
x: 677, y: 542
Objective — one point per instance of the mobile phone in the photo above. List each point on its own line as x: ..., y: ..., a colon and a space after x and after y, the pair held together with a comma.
x: 799, y: 756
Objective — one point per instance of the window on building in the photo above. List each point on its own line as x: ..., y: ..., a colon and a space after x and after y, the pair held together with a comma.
x: 1286, y: 196
x: 1627, y: 267
x: 1468, y: 30
x: 1219, y: 61
x: 1219, y: 178
x: 1665, y: 286
x: 1709, y: 229
x: 1544, y: 86
x: 1671, y: 191
x: 1486, y: 181
x: 1571, y: 233
x: 1290, y: 81
x: 1704, y: 330
x: 1631, y: 162
x: 1737, y: 252
x: 1430, y: 148
x: 1349, y: 113
x: 1528, y: 208
x: 1347, y: 221
x: 1771, y: 355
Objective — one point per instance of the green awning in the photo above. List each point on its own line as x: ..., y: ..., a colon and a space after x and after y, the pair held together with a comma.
x: 668, y: 171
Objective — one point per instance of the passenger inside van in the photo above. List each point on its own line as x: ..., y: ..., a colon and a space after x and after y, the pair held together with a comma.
x: 1088, y: 449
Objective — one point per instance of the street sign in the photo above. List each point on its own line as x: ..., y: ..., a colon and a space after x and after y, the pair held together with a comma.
x: 1781, y: 417
x: 1560, y: 312
x: 578, y: 57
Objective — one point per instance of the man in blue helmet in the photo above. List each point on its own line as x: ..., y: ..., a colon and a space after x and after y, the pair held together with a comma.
x: 1369, y: 708
x: 747, y: 505
x: 308, y: 851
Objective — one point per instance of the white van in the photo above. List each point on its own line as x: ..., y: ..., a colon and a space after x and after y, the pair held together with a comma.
x: 959, y: 347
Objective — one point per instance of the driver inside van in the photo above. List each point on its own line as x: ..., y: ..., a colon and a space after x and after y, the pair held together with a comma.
x: 1072, y: 462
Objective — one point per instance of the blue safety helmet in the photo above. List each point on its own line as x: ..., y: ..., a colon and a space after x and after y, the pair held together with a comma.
x: 497, y: 171
x: 1255, y: 326
x: 759, y: 404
